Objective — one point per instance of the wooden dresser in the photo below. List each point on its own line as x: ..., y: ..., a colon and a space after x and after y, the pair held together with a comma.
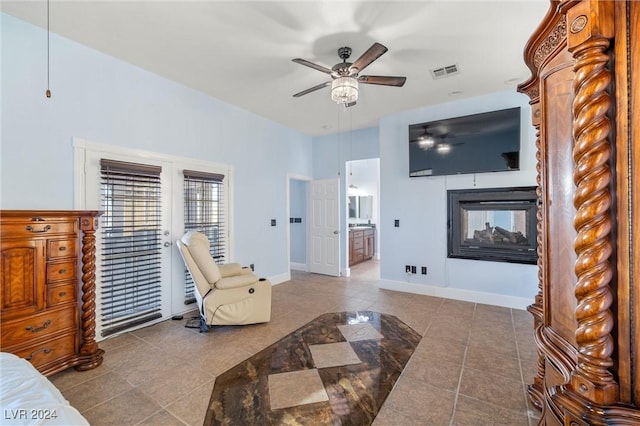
x: 47, y: 298
x: 585, y: 98
x: 362, y: 245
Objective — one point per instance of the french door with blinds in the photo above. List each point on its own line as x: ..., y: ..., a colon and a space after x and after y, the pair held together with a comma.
x: 204, y: 211
x: 147, y: 205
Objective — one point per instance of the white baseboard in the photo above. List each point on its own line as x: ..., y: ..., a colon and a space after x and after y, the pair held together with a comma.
x: 299, y: 266
x: 280, y: 278
x: 458, y: 294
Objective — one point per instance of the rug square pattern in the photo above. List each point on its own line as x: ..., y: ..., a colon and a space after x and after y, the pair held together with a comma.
x: 357, y: 332
x: 333, y: 355
x: 296, y: 388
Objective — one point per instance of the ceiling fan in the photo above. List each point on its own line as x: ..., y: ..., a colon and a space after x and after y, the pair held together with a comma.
x: 427, y: 141
x: 346, y: 75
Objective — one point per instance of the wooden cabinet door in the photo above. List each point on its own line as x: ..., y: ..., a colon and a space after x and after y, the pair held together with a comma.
x: 22, y: 271
x: 369, y: 245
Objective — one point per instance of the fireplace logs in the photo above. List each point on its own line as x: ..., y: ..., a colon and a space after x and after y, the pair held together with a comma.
x: 497, y: 235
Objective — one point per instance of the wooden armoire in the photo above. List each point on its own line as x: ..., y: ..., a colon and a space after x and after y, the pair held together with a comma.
x: 585, y: 95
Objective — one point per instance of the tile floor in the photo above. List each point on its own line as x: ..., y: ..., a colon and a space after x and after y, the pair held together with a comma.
x: 164, y: 374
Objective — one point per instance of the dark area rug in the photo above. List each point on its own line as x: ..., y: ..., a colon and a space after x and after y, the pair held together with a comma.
x: 337, y: 369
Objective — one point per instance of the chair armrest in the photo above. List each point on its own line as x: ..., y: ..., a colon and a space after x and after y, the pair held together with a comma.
x: 230, y: 269
x: 236, y: 281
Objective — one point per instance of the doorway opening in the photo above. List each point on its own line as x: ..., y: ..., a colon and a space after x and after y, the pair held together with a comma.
x: 363, y: 201
x: 297, y: 214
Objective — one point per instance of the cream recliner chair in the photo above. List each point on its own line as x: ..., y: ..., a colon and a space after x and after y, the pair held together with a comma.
x: 226, y: 294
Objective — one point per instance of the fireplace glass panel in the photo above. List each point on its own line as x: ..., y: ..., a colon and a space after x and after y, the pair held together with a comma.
x: 497, y: 224
x: 494, y: 227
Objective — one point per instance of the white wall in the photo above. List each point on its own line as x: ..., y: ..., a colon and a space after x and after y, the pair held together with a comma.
x: 421, y: 206
x: 104, y: 100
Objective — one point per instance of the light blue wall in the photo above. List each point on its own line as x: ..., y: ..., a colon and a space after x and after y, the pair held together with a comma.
x: 330, y: 154
x: 298, y: 209
x: 421, y: 205
x: 104, y: 100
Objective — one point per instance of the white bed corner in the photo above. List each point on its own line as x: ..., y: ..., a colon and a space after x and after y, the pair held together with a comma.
x: 29, y: 398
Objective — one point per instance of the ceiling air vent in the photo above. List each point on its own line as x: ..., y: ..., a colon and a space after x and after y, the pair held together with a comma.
x: 444, y: 71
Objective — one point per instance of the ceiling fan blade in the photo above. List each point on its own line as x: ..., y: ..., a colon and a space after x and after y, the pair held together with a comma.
x: 312, y: 65
x: 373, y: 53
x: 382, y: 80
x: 312, y: 89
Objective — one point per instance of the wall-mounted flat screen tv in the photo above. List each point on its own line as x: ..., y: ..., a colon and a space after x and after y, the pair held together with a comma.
x: 478, y: 143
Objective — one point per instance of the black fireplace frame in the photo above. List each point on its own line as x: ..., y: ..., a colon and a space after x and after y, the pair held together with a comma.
x: 523, y: 198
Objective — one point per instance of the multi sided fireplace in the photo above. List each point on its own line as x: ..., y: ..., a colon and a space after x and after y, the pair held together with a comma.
x: 493, y: 224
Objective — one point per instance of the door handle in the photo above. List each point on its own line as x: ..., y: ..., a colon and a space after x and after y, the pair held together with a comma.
x: 336, y: 232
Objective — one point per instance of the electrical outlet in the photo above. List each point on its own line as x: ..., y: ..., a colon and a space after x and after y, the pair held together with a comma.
x: 273, y: 222
x: 396, y: 223
x: 413, y: 269
x: 424, y: 270
x: 407, y: 269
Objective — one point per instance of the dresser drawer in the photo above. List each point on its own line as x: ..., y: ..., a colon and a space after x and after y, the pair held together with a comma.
x: 358, y: 243
x: 61, y: 248
x: 31, y: 229
x: 37, y: 326
x: 42, y: 353
x: 60, y: 294
x: 61, y: 271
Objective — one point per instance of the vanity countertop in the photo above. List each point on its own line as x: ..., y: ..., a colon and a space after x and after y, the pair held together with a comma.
x: 361, y: 227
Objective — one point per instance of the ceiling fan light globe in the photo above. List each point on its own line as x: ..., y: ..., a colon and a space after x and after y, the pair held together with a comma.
x: 426, y: 142
x: 443, y: 148
x: 344, y: 90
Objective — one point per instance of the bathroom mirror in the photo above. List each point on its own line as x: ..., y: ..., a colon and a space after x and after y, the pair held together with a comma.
x: 360, y: 207
x: 365, y: 207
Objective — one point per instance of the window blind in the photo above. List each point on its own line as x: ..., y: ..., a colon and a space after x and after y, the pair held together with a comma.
x: 204, y: 212
x: 131, y: 245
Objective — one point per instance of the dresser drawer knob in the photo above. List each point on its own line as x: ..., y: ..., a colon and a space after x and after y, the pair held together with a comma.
x: 62, y: 294
x: 32, y: 354
x: 30, y: 228
x: 33, y: 329
x: 62, y: 271
x: 63, y: 248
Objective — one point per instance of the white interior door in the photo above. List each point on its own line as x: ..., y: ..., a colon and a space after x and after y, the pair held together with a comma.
x: 324, y: 227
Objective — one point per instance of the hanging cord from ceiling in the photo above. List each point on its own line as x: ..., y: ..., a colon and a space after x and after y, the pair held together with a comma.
x: 350, y: 142
x: 48, y: 92
x: 339, y: 142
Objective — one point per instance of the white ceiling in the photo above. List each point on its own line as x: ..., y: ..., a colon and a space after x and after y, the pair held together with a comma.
x: 240, y: 52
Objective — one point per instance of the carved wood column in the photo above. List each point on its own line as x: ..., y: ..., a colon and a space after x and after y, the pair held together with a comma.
x: 89, y: 351
x: 590, y: 28
x: 536, y: 390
